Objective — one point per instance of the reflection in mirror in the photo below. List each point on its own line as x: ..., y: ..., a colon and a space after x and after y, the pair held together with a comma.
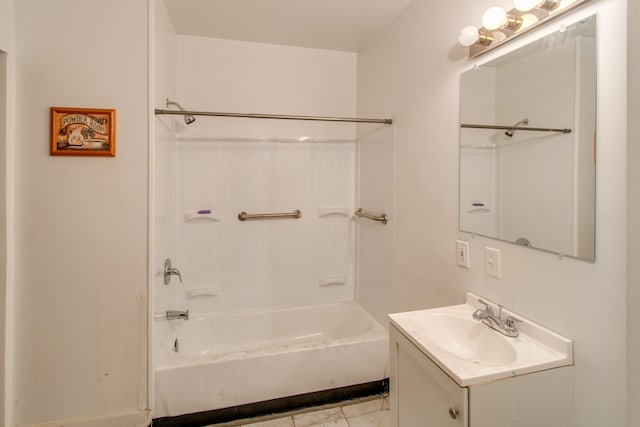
x: 527, y: 144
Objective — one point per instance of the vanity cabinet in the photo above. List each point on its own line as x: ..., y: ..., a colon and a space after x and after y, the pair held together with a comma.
x: 423, y: 395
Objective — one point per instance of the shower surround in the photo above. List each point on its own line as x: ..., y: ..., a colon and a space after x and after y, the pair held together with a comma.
x: 274, y: 304
x: 228, y: 264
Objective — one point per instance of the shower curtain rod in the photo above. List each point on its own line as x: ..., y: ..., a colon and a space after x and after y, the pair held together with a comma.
x: 274, y: 116
x: 465, y: 125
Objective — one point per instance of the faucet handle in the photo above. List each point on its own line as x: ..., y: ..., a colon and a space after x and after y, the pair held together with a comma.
x: 176, y: 272
x: 487, y: 306
x: 510, y: 322
x: 169, y: 271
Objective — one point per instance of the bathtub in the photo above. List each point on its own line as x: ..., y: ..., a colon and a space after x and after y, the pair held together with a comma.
x: 230, y: 359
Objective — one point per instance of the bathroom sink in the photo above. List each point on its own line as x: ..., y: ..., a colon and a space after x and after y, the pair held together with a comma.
x: 471, y: 352
x: 468, y: 339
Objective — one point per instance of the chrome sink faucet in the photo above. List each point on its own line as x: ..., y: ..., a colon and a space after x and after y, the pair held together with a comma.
x: 506, y: 326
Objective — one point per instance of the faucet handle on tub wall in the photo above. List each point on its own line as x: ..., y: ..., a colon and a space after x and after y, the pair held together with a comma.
x: 169, y: 271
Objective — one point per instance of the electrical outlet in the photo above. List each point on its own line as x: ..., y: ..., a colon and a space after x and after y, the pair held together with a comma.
x: 462, y: 253
x: 493, y: 265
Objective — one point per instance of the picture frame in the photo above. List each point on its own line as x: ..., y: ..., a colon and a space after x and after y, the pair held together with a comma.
x: 83, y: 132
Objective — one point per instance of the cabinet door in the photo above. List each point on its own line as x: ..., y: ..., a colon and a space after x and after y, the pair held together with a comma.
x: 421, y: 394
x: 534, y: 400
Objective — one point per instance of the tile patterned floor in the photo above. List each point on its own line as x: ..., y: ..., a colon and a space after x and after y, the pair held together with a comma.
x: 369, y: 413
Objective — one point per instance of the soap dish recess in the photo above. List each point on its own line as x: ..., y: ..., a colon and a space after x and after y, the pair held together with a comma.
x: 332, y: 281
x: 208, y: 291
x: 200, y: 215
x: 333, y: 211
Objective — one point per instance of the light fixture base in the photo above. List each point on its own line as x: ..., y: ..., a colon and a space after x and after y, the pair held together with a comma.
x: 484, y: 38
x: 550, y: 5
x: 514, y: 22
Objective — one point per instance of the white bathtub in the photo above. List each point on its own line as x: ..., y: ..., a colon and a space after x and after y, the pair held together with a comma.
x: 235, y: 358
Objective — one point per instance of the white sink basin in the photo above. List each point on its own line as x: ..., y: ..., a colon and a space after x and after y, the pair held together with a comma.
x: 471, y: 352
x: 469, y: 339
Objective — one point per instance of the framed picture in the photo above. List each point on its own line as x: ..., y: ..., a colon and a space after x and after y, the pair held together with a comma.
x: 83, y: 132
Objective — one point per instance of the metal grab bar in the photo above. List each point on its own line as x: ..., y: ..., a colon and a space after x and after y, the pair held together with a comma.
x: 172, y: 315
x: 243, y: 216
x: 362, y: 214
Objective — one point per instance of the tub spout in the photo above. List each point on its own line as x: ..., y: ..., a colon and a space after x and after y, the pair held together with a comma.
x: 177, y: 314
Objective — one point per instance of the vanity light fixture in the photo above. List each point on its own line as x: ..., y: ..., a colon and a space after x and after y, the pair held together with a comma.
x: 500, y: 25
x: 527, y: 5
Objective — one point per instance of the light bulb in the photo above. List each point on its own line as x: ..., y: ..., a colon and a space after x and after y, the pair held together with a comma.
x: 498, y: 36
x: 528, y: 20
x: 468, y: 35
x: 494, y: 18
x: 526, y: 5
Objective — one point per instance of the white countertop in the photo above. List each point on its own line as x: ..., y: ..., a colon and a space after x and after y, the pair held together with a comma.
x: 536, y: 348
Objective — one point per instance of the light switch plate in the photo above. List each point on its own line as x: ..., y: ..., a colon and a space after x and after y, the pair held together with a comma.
x: 493, y: 264
x: 462, y: 253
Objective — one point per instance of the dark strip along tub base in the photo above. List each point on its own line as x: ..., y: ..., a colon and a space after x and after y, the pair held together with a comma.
x: 275, y: 406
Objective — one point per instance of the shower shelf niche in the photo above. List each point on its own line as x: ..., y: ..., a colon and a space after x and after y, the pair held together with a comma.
x: 193, y: 216
x: 204, y: 291
x: 332, y: 281
x: 479, y: 207
x: 333, y: 211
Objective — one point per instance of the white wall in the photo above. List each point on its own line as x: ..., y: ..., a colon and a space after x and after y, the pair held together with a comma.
x: 6, y: 25
x: 81, y: 223
x: 376, y: 194
x: 4, y: 248
x: 164, y: 153
x: 163, y: 173
x: 633, y: 241
x: 233, y: 165
x: 7, y: 99
x: 413, y: 71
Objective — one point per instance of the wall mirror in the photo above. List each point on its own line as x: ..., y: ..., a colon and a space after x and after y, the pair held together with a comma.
x: 527, y: 144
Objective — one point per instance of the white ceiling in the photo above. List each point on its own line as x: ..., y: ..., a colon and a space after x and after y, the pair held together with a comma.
x: 323, y: 24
